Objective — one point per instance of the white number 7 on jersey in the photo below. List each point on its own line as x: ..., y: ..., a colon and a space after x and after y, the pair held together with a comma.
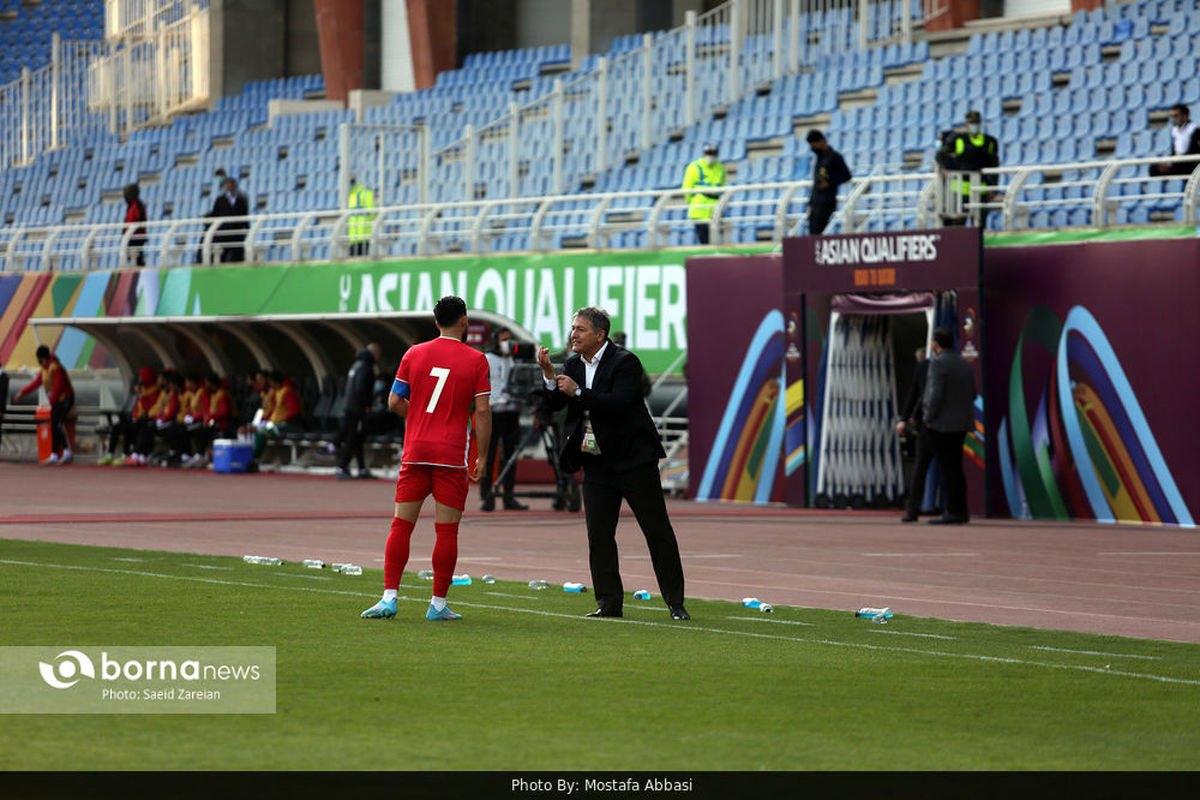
x: 441, y: 373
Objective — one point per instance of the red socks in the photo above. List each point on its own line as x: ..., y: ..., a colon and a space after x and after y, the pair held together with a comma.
x: 445, y: 556
x: 395, y: 555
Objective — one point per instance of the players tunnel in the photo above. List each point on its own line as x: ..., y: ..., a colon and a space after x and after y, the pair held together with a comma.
x: 800, y: 360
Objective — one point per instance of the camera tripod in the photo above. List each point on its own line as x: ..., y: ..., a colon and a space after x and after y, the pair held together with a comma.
x: 566, y: 489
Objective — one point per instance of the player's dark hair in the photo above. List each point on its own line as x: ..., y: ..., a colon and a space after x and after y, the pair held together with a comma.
x: 598, y: 318
x: 944, y: 338
x: 42, y: 352
x: 449, y: 310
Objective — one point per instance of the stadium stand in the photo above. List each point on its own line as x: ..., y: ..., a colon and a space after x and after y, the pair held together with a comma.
x: 1063, y: 94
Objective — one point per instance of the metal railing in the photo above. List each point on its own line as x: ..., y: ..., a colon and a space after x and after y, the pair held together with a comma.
x: 153, y: 70
x: 46, y: 107
x: 1099, y: 192
x: 154, y: 64
x: 671, y: 80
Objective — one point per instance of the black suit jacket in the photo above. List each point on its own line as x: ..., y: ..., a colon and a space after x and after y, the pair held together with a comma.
x: 240, y: 207
x: 621, y: 422
x: 911, y: 409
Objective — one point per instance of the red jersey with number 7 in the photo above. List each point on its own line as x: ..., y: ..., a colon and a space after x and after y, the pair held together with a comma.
x: 444, y: 377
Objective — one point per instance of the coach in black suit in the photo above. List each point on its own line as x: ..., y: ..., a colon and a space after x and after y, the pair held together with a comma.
x: 229, y: 236
x: 949, y: 413
x: 613, y: 438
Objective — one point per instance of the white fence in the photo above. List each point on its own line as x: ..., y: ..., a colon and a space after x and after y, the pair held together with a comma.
x: 669, y: 81
x: 45, y: 107
x: 1100, y: 193
x: 145, y: 77
x: 156, y: 66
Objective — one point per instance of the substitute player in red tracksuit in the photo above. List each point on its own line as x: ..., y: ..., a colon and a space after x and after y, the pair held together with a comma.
x: 436, y: 387
x: 53, y: 376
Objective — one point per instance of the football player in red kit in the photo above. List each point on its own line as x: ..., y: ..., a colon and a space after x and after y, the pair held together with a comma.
x: 436, y: 387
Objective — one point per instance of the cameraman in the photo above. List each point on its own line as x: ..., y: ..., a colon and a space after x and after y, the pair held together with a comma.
x: 506, y: 423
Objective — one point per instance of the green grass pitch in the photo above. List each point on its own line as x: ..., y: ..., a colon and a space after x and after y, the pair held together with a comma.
x: 523, y: 682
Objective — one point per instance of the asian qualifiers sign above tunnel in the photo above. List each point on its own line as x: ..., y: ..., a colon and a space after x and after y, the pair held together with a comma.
x: 880, y: 262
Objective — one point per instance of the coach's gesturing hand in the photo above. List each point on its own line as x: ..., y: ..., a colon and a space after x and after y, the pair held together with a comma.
x: 543, y: 360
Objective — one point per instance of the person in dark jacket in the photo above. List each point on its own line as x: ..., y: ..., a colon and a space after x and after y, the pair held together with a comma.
x: 230, y: 235
x: 829, y: 172
x: 360, y: 387
x: 612, y: 437
x: 135, y: 212
x: 949, y: 412
x: 911, y: 424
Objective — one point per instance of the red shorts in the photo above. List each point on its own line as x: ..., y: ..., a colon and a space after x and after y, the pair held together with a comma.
x: 448, y: 485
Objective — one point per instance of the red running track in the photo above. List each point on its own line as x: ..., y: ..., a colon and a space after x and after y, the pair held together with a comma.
x: 1128, y: 580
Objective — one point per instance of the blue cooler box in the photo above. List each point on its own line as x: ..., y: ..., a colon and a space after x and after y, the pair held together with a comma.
x: 231, y: 455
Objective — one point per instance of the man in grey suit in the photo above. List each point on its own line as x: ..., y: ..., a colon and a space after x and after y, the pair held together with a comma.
x: 949, y: 413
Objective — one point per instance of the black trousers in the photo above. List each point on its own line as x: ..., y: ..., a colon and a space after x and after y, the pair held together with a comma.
x: 122, y: 427
x: 506, y: 434
x: 916, y: 483
x: 819, y: 212
x: 641, y: 488
x: 947, y: 448
x: 351, y: 436
x: 702, y: 232
x: 58, y: 423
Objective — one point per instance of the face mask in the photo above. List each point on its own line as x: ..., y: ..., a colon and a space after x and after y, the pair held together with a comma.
x: 973, y: 129
x: 506, y: 347
x: 710, y: 160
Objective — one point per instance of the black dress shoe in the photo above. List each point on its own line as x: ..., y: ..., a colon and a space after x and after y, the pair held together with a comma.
x: 909, y: 516
x: 488, y: 505
x: 947, y: 519
x: 515, y: 505
x: 679, y: 612
x: 600, y: 612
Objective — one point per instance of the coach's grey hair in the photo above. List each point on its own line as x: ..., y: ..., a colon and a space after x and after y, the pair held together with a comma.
x: 598, y: 318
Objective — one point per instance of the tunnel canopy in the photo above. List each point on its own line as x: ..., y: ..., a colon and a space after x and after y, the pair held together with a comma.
x: 321, y: 345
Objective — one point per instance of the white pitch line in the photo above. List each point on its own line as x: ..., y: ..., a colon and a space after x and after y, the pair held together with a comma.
x: 309, y: 577
x: 134, y: 560
x: 206, y: 566
x: 1093, y: 653
x: 920, y: 555
x: 1148, y: 553
x: 506, y: 594
x: 777, y: 621
x: 673, y: 626
x: 908, y: 633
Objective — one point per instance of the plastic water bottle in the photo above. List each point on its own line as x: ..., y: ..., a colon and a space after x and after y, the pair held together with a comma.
x: 461, y: 580
x: 351, y: 569
x: 338, y: 566
x: 265, y: 561
x: 766, y: 608
x: 751, y: 602
x: 313, y: 563
x: 539, y: 584
x: 488, y: 579
x: 880, y: 615
x: 425, y: 574
x: 574, y: 587
x: 641, y: 594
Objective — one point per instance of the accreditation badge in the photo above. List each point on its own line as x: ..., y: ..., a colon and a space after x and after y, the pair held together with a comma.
x: 589, y: 444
